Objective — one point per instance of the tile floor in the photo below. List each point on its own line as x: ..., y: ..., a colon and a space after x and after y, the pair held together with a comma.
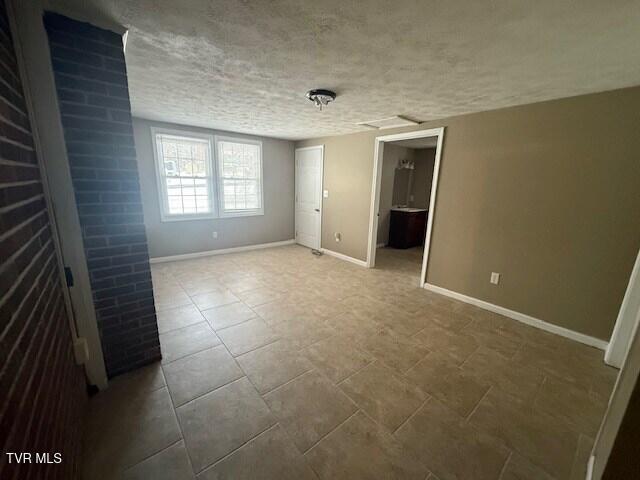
x: 281, y: 365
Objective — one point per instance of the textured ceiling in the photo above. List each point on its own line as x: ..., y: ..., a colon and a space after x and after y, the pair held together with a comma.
x: 245, y: 65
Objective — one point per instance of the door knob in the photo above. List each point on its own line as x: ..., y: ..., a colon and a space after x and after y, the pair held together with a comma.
x: 317, y: 209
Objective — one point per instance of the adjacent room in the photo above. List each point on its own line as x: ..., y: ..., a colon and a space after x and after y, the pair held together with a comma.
x: 319, y: 240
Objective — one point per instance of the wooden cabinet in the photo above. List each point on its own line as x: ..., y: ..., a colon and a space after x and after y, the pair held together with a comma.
x: 407, y: 227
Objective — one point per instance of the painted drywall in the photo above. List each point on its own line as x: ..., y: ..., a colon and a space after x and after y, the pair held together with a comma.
x: 546, y: 194
x: 390, y: 176
x: 424, y: 161
x: 175, y: 238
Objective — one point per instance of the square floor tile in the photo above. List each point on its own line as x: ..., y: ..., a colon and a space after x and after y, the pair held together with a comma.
x: 449, y: 447
x: 180, y: 343
x: 455, y: 344
x: 304, y: 330
x: 398, y: 352
x: 270, y: 455
x: 228, y: 315
x: 540, y: 438
x: 219, y: 422
x: 259, y: 296
x: 442, y: 379
x: 518, y: 468
x: 179, y: 317
x: 385, y: 396
x: 571, y: 405
x: 270, y: 366
x: 360, y: 449
x: 491, y: 367
x: 199, y: 373
x: 124, y: 428
x: 214, y: 299
x: 309, y: 407
x: 337, y: 358
x: 169, y: 300
x: 170, y: 464
x: 247, y: 336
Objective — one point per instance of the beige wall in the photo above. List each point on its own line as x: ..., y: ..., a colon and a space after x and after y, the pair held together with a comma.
x: 388, y: 191
x: 174, y: 238
x: 424, y: 160
x: 546, y: 194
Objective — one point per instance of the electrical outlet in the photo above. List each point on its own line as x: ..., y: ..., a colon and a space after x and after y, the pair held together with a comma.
x: 495, y: 278
x: 215, y: 235
x: 338, y: 236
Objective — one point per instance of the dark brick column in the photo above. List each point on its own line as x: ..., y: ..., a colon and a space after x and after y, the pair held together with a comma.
x: 91, y: 81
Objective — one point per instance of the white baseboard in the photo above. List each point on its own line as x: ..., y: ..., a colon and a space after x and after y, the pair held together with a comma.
x: 521, y: 317
x: 220, y: 251
x: 346, y: 258
x: 380, y: 245
x: 590, y: 464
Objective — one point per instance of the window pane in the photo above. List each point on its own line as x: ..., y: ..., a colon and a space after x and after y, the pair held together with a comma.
x: 240, y: 169
x: 185, y: 166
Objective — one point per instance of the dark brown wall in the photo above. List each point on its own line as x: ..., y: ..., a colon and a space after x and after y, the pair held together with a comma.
x: 91, y: 82
x: 624, y: 461
x: 42, y: 391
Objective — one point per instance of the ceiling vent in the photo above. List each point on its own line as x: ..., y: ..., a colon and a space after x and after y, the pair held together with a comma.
x: 390, y: 122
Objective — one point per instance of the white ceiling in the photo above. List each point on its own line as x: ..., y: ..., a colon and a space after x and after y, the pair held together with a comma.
x: 245, y: 65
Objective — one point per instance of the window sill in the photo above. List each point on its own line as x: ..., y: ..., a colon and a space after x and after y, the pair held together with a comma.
x: 186, y: 218
x: 247, y: 213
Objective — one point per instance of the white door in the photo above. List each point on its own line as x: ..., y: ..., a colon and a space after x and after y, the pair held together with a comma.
x: 309, y: 195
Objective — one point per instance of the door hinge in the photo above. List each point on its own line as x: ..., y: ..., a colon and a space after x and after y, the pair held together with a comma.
x: 68, y: 275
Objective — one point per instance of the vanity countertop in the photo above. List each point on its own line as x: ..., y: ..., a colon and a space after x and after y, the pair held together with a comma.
x: 408, y: 209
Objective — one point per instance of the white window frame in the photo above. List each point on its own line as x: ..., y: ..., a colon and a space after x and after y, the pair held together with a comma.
x: 163, y: 198
x: 220, y: 188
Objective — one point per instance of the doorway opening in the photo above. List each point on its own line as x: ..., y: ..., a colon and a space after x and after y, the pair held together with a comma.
x: 403, y: 199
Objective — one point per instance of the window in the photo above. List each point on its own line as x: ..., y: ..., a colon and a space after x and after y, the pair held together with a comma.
x: 239, y: 164
x: 185, y: 175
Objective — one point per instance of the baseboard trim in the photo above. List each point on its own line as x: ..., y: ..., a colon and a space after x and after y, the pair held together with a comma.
x: 220, y: 251
x: 521, y: 317
x: 380, y: 245
x: 346, y: 258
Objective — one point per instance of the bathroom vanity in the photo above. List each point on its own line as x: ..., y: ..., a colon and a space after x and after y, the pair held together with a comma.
x: 407, y: 227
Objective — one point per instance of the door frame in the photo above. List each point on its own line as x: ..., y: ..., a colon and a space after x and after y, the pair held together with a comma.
x: 32, y: 53
x: 320, y: 190
x: 626, y: 321
x: 378, y: 153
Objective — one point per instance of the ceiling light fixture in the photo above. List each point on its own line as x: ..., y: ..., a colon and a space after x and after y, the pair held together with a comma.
x: 321, y: 97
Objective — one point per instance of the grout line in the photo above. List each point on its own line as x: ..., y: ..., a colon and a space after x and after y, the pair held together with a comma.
x: 210, y: 465
x: 466, y: 420
x: 333, y: 430
x: 229, y: 326
x: 288, y: 382
x: 504, y: 467
x: 355, y: 372
x: 181, y: 439
x: 210, y: 391
x: 413, y: 414
x: 253, y: 349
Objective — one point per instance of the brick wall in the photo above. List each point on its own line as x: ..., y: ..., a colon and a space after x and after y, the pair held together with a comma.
x: 42, y: 391
x: 91, y: 81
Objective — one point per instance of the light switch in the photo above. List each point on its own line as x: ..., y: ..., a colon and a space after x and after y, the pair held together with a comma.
x: 495, y: 278
x: 325, y: 193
